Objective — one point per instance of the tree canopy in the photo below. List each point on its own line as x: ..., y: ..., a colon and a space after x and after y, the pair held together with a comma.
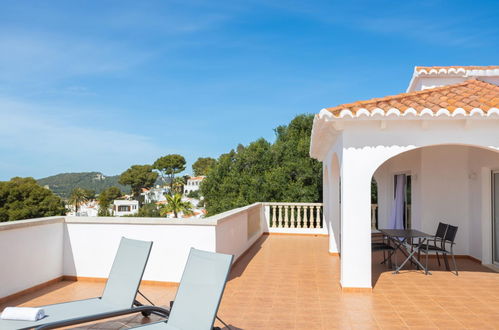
x: 80, y: 196
x: 23, y: 198
x: 170, y: 165
x: 106, y: 197
x: 266, y: 172
x: 203, y: 165
x: 176, y: 205
x: 138, y: 177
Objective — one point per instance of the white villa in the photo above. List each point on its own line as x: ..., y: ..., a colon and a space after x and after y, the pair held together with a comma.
x: 193, y: 184
x: 125, y: 207
x: 442, y: 136
x: 87, y: 209
x: 156, y: 194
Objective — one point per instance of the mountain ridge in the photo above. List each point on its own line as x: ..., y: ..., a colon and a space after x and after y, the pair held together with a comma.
x: 63, y: 183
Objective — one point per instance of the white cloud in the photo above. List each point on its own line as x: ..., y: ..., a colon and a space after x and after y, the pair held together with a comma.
x: 33, y: 143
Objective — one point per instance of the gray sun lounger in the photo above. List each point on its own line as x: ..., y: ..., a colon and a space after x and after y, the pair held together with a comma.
x: 199, y: 294
x: 118, y: 297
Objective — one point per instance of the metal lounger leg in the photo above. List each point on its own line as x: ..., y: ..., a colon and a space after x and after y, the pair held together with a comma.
x: 225, y: 324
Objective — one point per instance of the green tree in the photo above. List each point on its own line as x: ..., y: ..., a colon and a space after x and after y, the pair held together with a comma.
x: 106, y: 197
x: 178, y: 185
x: 138, y: 177
x: 23, y: 198
x: 149, y: 210
x: 278, y: 172
x: 294, y: 176
x: 176, y: 205
x: 238, y: 178
x: 168, y: 166
x: 194, y: 194
x: 203, y: 165
x: 80, y: 196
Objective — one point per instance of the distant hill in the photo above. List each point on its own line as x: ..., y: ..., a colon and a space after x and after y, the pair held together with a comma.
x: 62, y: 184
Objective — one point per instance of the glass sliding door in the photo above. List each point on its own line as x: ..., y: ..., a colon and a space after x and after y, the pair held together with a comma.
x: 495, y: 217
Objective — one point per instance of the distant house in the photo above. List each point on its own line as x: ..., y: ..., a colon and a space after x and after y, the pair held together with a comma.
x: 154, y: 195
x: 193, y: 184
x: 125, y: 207
x: 88, y: 209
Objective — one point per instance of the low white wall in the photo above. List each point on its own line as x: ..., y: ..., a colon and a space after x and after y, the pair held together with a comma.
x: 31, y: 253
x: 90, y: 247
x: 39, y: 250
x: 232, y: 230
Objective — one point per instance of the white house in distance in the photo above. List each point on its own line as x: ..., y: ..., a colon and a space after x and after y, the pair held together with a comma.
x: 443, y: 134
x: 125, y: 207
x: 193, y: 184
x: 87, y: 209
x: 156, y: 194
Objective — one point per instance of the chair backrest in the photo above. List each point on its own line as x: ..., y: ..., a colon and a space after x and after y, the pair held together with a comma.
x: 126, y: 273
x: 441, y: 230
x: 450, y: 235
x: 200, y: 291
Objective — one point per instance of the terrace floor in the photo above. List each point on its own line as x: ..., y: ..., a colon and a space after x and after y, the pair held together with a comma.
x: 291, y: 282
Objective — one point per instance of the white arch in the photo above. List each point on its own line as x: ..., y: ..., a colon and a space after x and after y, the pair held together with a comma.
x: 358, y: 165
x: 477, y: 187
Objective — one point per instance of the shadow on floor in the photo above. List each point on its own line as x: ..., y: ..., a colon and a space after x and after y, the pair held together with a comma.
x: 243, y: 261
x: 33, y: 295
x: 464, y: 264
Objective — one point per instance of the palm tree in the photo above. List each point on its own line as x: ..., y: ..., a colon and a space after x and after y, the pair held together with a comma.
x: 78, y: 197
x: 176, y: 205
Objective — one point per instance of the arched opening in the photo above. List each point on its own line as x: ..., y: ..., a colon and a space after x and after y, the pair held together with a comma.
x: 452, y: 183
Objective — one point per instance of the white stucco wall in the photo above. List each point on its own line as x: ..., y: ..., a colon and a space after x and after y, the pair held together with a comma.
x: 481, y: 164
x: 232, y: 233
x: 448, y: 186
x: 36, y: 251
x: 30, y: 255
x: 435, y: 81
x: 90, y: 248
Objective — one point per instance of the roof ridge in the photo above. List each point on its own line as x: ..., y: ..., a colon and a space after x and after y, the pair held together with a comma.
x: 469, y: 67
x: 415, y: 93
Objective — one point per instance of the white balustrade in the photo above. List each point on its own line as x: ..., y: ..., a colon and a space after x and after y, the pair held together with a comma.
x: 374, y: 213
x: 299, y: 217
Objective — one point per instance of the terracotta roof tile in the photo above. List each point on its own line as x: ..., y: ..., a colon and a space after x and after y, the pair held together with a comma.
x: 468, y: 95
x: 465, y: 67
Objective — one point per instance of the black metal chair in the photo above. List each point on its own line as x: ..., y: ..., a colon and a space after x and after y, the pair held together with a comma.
x: 443, y: 244
x: 380, y: 243
x: 439, y: 236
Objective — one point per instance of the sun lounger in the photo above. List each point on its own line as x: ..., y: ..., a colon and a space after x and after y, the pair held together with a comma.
x: 118, y: 297
x: 199, y: 294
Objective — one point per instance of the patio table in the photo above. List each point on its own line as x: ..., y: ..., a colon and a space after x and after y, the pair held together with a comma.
x: 400, y: 237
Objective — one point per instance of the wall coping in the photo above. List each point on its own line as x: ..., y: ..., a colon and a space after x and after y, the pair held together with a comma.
x: 30, y: 222
x: 210, y: 221
x: 139, y: 221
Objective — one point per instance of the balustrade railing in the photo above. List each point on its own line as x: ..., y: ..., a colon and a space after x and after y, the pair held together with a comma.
x: 374, y: 216
x: 295, y: 215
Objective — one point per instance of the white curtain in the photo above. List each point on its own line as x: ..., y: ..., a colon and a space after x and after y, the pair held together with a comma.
x: 397, y: 215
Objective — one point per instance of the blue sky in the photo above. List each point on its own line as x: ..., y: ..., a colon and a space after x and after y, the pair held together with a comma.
x: 102, y: 85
